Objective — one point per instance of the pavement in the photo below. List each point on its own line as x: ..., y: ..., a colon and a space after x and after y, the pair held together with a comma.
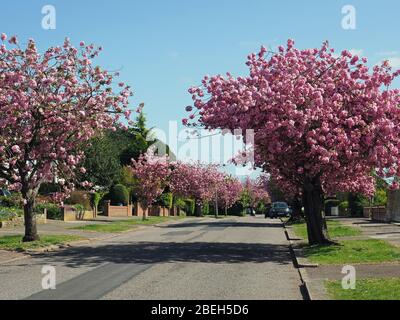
x: 233, y: 258
x: 315, y: 276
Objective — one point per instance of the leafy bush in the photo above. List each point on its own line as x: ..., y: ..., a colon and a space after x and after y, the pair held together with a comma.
x: 206, y: 208
x: 380, y: 198
x: 356, y: 206
x: 190, y: 207
x: 119, y: 195
x: 95, y: 199
x: 9, y: 214
x: 344, y: 208
x: 166, y: 200
x: 80, y: 197
x: 54, y: 211
x: 179, y: 202
x: 13, y: 201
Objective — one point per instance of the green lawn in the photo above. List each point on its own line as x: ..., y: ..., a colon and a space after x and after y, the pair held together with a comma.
x: 124, y: 225
x: 353, y: 251
x: 15, y: 242
x: 368, y: 289
x: 335, y: 229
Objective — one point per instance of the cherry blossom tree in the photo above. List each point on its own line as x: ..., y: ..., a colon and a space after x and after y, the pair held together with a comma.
x: 152, y: 174
x: 323, y: 122
x: 197, y: 181
x: 50, y: 104
x: 229, y: 192
x: 254, y: 192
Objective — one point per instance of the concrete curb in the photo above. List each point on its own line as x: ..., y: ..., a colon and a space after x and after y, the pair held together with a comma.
x: 300, y: 264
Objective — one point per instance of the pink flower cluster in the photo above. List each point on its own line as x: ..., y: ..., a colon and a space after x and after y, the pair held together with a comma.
x: 197, y: 181
x: 152, y: 173
x: 50, y: 104
x: 318, y: 118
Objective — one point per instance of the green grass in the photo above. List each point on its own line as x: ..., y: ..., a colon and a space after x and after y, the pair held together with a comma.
x: 368, y: 289
x: 353, y: 251
x: 124, y: 225
x: 15, y: 242
x: 335, y: 229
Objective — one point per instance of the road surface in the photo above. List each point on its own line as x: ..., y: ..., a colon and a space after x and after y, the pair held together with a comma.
x: 233, y: 258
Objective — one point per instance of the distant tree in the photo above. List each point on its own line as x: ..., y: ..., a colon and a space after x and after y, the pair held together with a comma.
x: 102, y: 163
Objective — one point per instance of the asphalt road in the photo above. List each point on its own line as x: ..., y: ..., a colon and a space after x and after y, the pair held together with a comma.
x: 234, y: 258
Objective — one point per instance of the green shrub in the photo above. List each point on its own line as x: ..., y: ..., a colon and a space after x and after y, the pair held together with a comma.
x: 206, y: 209
x: 54, y: 211
x: 9, y: 214
x: 95, y: 199
x: 180, y: 203
x: 80, y: 197
x: 356, y: 206
x: 380, y: 198
x: 13, y: 201
x: 119, y: 195
x: 344, y: 208
x: 190, y: 207
x: 166, y: 200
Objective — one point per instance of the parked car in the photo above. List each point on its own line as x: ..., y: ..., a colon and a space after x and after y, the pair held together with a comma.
x: 279, y: 209
x: 5, y: 193
x: 251, y: 211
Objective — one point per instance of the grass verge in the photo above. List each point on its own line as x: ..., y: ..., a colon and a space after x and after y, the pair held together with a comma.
x: 367, y: 289
x: 15, y: 243
x: 124, y: 225
x: 335, y: 229
x: 353, y: 251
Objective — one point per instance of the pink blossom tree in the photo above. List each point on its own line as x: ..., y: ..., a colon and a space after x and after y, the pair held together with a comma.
x: 152, y: 174
x: 322, y: 122
x: 229, y: 192
x: 50, y: 104
x: 197, y: 181
x: 254, y: 193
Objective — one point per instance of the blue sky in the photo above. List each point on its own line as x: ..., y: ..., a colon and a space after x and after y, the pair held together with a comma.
x: 164, y: 47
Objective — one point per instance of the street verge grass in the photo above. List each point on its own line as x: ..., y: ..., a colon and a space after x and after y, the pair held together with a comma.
x: 353, y: 251
x: 335, y: 229
x: 366, y: 289
x: 14, y: 243
x: 124, y: 225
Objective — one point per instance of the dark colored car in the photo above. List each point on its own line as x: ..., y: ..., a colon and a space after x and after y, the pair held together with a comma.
x: 251, y: 212
x: 279, y: 209
x: 4, y: 193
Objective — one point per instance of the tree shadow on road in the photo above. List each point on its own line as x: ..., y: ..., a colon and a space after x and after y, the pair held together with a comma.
x: 158, y: 252
x: 224, y: 224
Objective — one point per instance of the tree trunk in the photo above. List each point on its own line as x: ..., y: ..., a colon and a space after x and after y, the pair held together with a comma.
x: 226, y: 211
x: 216, y: 208
x: 297, y: 213
x: 313, y: 204
x: 145, y: 213
x: 198, y: 209
x: 31, y: 233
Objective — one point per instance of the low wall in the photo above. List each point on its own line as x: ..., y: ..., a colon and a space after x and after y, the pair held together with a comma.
x: 117, y: 211
x: 376, y: 214
x: 19, y: 222
x: 71, y: 214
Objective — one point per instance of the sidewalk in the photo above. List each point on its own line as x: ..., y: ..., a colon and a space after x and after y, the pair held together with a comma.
x: 315, y: 276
